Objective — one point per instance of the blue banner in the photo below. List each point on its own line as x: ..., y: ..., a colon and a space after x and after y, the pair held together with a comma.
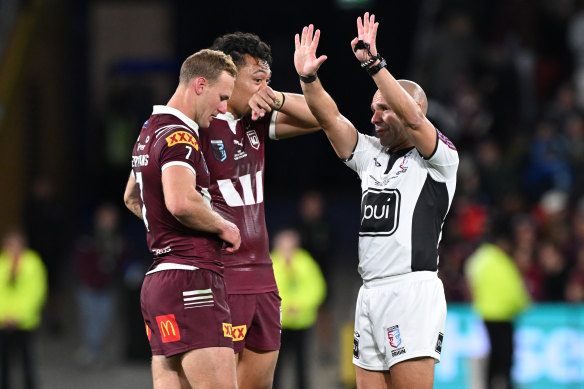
x: 549, y: 348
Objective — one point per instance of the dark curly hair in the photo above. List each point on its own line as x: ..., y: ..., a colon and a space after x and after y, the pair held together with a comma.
x: 238, y: 44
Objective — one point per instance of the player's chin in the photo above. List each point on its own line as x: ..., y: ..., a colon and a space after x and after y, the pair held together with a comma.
x: 207, y: 122
x: 204, y: 124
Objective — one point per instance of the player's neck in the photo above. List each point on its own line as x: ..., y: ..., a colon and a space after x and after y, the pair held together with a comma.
x: 404, y: 145
x: 180, y: 101
x: 237, y: 113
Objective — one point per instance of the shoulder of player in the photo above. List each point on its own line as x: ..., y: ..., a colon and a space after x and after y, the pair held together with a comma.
x: 171, y: 133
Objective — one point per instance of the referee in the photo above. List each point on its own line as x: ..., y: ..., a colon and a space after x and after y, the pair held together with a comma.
x: 408, y: 178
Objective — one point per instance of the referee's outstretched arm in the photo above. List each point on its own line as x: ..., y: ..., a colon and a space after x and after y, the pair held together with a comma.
x: 340, y: 131
x: 406, y: 98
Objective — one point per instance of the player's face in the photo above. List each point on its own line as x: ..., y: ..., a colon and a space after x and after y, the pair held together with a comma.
x: 215, y: 99
x: 250, y: 78
x: 390, y: 130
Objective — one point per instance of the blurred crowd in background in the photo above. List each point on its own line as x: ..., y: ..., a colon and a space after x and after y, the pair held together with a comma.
x: 513, y: 103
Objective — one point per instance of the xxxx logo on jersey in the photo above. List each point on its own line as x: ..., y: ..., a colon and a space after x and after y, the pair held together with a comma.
x: 237, y: 333
x: 182, y: 137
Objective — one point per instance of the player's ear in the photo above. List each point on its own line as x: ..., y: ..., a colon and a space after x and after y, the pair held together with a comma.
x: 199, y: 84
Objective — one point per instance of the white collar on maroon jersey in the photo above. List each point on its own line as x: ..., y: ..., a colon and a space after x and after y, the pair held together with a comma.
x: 165, y: 109
x: 229, y: 118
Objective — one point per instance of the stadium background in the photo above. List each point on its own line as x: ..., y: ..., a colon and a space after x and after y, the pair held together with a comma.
x: 79, y: 78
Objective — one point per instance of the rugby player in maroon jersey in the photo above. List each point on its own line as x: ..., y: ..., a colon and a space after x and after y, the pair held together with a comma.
x: 183, y: 296
x: 234, y: 147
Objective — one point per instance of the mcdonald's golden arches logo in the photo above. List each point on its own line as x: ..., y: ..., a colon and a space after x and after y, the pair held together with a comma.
x: 169, y: 331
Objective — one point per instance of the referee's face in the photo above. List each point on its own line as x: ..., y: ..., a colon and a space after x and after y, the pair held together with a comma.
x: 390, y: 130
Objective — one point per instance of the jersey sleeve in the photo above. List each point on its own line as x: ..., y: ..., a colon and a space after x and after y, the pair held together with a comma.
x: 179, y: 148
x: 365, y: 147
x: 443, y: 163
x: 272, y: 128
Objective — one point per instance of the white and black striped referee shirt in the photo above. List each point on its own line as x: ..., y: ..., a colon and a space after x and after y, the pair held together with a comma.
x: 405, y: 199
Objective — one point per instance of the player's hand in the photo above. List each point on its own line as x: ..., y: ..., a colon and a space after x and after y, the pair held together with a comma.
x: 305, y: 59
x: 366, y: 32
x: 230, y: 236
x: 261, y: 102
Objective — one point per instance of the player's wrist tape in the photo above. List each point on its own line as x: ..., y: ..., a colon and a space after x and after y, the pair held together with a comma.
x: 308, y: 79
x: 374, y: 69
x: 278, y: 101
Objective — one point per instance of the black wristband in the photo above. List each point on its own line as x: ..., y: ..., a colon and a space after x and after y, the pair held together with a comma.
x: 374, y: 69
x: 370, y: 61
x: 308, y: 79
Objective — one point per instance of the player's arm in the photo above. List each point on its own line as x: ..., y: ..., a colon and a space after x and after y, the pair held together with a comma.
x: 421, y: 132
x: 294, y: 117
x: 340, y: 131
x: 188, y: 206
x: 132, y: 195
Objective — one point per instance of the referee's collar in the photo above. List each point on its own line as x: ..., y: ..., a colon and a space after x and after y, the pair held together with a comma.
x: 395, y: 156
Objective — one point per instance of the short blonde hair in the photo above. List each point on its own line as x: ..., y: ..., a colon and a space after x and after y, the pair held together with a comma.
x: 206, y: 63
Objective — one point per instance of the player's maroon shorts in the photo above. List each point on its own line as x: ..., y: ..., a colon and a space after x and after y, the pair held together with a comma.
x: 185, y: 310
x: 256, y: 321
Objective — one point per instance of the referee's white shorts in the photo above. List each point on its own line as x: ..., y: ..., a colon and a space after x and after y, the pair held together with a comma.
x: 399, y: 318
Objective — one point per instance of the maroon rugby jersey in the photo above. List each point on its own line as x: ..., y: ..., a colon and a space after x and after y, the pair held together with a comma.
x: 170, y: 138
x: 234, y: 151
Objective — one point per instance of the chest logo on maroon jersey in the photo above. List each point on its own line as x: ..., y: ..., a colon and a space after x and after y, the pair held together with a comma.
x: 218, y: 149
x: 182, y: 137
x: 254, y: 140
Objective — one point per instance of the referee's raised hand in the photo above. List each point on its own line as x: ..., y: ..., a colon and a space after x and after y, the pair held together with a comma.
x: 305, y: 59
x: 366, y: 34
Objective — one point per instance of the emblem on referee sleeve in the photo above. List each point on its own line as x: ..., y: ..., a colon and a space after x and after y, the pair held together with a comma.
x: 379, y: 212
